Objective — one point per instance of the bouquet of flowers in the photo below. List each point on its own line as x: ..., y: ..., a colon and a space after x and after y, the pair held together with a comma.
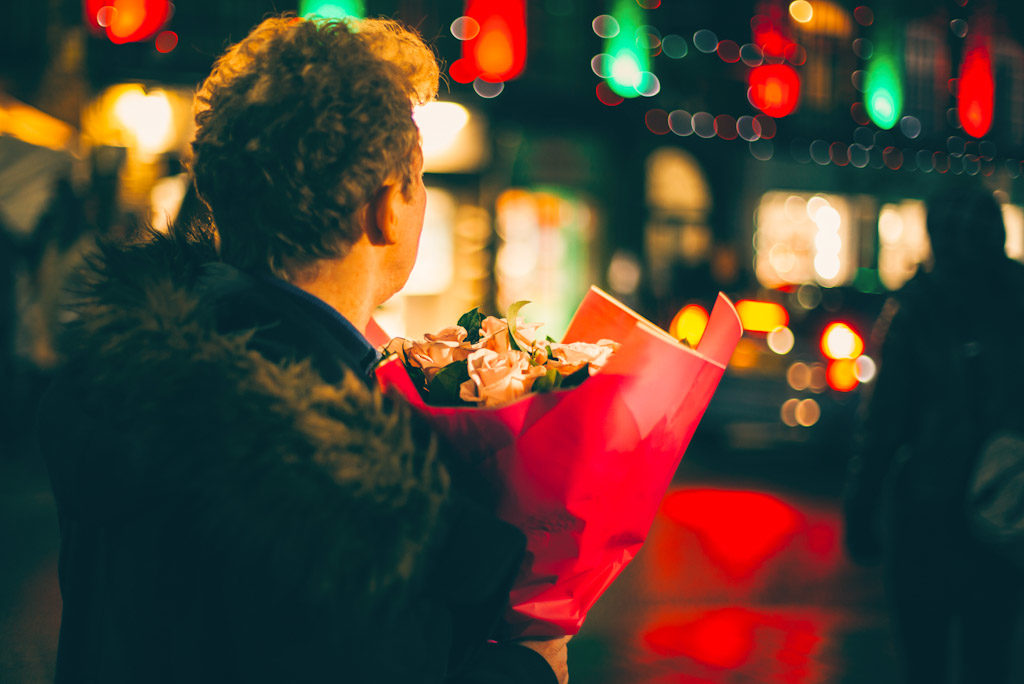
x: 489, y: 361
x: 580, y: 438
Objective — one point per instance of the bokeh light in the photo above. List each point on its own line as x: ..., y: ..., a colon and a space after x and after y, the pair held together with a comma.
x: 798, y: 375
x: 680, y: 122
x: 781, y: 340
x: 808, y: 412
x: 605, y: 26
x: 705, y: 41
x: 840, y: 341
x: 728, y: 51
x: 656, y: 121
x: 465, y: 28
x: 863, y: 15
x: 801, y: 11
x: 704, y: 125
x: 689, y: 324
x: 841, y: 375
x: 725, y: 127
x: 760, y: 316
x: 864, y: 368
x: 486, y: 89
x: 674, y: 46
x: 608, y: 96
x: 147, y: 117
x: 166, y: 41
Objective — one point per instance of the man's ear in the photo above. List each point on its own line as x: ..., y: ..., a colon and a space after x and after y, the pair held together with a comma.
x: 382, y: 215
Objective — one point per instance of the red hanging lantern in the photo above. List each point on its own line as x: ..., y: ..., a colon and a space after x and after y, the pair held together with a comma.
x: 774, y: 89
x: 976, y: 88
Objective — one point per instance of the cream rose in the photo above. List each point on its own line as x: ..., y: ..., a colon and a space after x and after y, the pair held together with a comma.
x: 453, y: 335
x: 438, y: 351
x: 574, y: 355
x: 498, y: 378
x: 494, y: 335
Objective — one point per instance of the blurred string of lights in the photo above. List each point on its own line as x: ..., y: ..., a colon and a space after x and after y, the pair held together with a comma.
x: 774, y: 86
x: 132, y: 21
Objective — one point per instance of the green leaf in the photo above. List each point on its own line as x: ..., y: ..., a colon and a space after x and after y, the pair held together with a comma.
x: 471, y: 321
x: 444, y: 388
x: 510, y: 316
x: 419, y: 380
x: 547, y: 382
x: 575, y: 379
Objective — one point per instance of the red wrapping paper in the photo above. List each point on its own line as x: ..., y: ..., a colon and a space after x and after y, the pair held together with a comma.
x: 582, y: 471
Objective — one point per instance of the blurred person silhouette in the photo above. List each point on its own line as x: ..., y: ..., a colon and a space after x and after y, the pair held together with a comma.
x: 8, y: 265
x: 950, y: 376
x: 237, y: 501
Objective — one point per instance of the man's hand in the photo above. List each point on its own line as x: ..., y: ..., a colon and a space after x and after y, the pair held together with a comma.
x: 556, y: 653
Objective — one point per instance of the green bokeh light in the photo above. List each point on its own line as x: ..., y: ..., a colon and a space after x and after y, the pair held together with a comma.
x: 332, y: 9
x: 629, y: 60
x: 883, y: 85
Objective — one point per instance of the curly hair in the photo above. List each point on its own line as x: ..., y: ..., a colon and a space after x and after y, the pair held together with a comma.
x: 298, y: 126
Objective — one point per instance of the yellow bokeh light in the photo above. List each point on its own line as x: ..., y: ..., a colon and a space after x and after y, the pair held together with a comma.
x: 842, y: 375
x: 761, y: 316
x: 689, y: 324
x: 146, y: 117
x: 801, y: 11
x: 840, y: 341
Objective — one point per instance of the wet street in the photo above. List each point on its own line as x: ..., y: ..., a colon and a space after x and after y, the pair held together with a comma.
x: 742, y: 579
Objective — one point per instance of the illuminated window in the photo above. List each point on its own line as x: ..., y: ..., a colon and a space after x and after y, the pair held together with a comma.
x: 803, y: 238
x: 902, y: 242
x: 678, y: 199
x: 1013, y: 219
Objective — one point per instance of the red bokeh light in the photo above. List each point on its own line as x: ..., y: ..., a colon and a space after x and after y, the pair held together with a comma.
x: 498, y: 51
x: 605, y: 94
x: 770, y: 35
x: 657, y: 121
x: 774, y: 89
x: 731, y: 637
x: 766, y: 126
x: 976, y: 89
x: 166, y: 41
x: 127, y: 21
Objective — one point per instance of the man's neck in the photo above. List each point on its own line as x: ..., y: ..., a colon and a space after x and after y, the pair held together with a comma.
x: 348, y: 285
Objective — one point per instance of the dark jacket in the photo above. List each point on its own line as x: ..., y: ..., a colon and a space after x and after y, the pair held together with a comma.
x: 237, y: 505
x: 950, y: 375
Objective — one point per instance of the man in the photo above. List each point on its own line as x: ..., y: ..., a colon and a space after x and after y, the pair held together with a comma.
x: 950, y: 376
x: 237, y: 502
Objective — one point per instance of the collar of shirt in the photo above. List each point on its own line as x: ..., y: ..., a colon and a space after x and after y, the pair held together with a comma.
x: 363, y: 355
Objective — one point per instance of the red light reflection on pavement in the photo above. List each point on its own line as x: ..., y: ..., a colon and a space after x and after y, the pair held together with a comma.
x: 777, y: 645
x: 738, y: 530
